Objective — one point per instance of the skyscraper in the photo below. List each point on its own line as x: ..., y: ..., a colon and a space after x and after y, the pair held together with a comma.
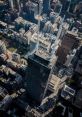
x: 37, y: 77
x: 46, y: 6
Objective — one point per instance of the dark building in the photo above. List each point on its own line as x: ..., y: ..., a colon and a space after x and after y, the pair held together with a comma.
x: 37, y: 77
x: 46, y: 6
x: 65, y: 4
x: 70, y: 41
x: 78, y: 99
x: 31, y: 10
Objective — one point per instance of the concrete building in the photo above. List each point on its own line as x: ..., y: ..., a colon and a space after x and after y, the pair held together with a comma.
x: 68, y: 93
x: 78, y: 99
x: 46, y: 6
x: 70, y: 41
x: 2, y: 47
x: 55, y: 84
x: 37, y: 78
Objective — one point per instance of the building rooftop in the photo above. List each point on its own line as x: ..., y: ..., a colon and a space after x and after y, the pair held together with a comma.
x: 78, y: 99
x: 54, y: 83
x: 79, y: 67
x: 20, y: 20
x: 68, y: 93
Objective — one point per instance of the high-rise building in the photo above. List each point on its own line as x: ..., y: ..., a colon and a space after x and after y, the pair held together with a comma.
x: 70, y: 41
x: 14, y: 4
x: 46, y: 6
x: 37, y: 77
x: 31, y: 10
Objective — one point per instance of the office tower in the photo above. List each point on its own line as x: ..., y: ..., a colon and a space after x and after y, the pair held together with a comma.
x: 31, y: 10
x: 37, y: 77
x: 11, y: 4
x: 46, y: 6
